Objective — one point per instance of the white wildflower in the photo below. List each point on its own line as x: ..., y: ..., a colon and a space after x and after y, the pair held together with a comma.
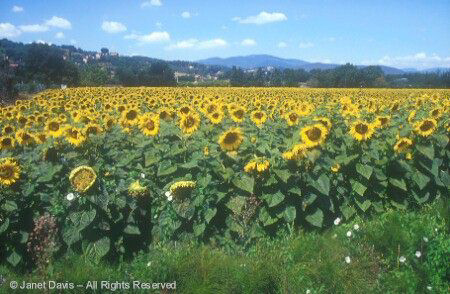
x: 347, y: 259
x: 429, y: 288
x: 356, y: 227
x: 149, y: 263
x: 143, y: 175
x: 337, y: 221
x: 70, y: 196
x: 402, y: 259
x: 349, y: 234
x: 169, y: 195
x: 418, y: 254
x: 308, y: 291
x: 425, y: 239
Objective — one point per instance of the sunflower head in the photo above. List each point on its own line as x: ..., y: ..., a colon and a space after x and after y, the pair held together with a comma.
x: 74, y: 136
x: 7, y: 142
x: 314, y: 135
x: 426, y: 127
x: 381, y: 121
x: 259, y: 117
x: 335, y: 167
x: 181, y: 189
x: 361, y: 130
x: 25, y: 138
x: 9, y: 171
x: 231, y: 139
x: 189, y: 123
x: 82, y: 178
x: 292, y: 118
x: 54, y: 128
x: 237, y: 114
x: 149, y: 124
x: 402, y: 145
x: 216, y: 117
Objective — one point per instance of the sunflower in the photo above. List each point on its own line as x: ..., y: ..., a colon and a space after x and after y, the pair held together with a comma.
x: 165, y: 114
x: 426, y: 127
x: 54, y: 128
x: 381, y: 121
x: 91, y: 129
x: 237, y: 114
x: 250, y: 166
x: 231, y: 139
x: 149, y: 124
x: 206, y: 151
x: 216, y: 117
x: 181, y: 189
x: 189, y: 123
x: 185, y: 110
x: 41, y: 137
x: 325, y: 121
x: 436, y: 113
x: 7, y: 130
x: 82, y: 178
x: 402, y: 145
x: 335, y: 167
x: 24, y: 138
x: 262, y: 166
x: 9, y: 171
x: 259, y: 117
x: 7, y: 142
x: 74, y: 136
x: 136, y: 190
x: 292, y: 118
x: 361, y: 130
x: 314, y: 135
x: 130, y: 117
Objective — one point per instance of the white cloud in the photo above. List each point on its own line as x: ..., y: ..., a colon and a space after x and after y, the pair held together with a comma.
x: 8, y: 30
x: 154, y: 37
x: 248, y: 42
x: 58, y: 22
x: 282, y: 45
x: 419, y: 60
x: 59, y: 35
x: 186, y: 14
x: 151, y: 3
x: 73, y: 41
x: 304, y: 45
x: 17, y: 8
x: 262, y: 18
x: 113, y: 27
x: 197, y: 44
x: 42, y: 42
x: 35, y: 28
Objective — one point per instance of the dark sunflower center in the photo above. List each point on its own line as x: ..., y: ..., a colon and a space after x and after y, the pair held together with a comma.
x: 150, y: 125
x: 435, y: 112
x: 239, y: 113
x: 426, y: 125
x: 258, y: 115
x: 131, y: 115
x: 230, y: 138
x: 53, y: 126
x: 6, y: 172
x: 215, y: 115
x: 361, y: 128
x: 402, y: 144
x: 383, y: 120
x: 8, y: 130
x: 314, y: 134
x: 185, y: 110
x: 91, y: 131
x: 293, y: 117
x: 163, y: 114
x: 189, y: 122
x: 211, y: 108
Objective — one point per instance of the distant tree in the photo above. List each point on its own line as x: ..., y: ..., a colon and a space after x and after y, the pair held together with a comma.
x: 104, y: 50
x: 93, y: 75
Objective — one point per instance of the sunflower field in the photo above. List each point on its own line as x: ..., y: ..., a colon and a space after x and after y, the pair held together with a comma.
x: 120, y: 168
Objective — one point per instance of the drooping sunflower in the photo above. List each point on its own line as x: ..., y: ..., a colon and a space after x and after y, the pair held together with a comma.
x: 189, y: 123
x: 361, y: 130
x: 7, y: 142
x: 231, y: 139
x: 426, y: 127
x: 82, y: 178
x: 74, y: 136
x: 9, y: 171
x: 402, y: 145
x: 24, y: 138
x: 314, y: 135
x: 237, y: 114
x: 54, y: 128
x: 149, y: 124
x: 259, y: 117
x: 181, y: 189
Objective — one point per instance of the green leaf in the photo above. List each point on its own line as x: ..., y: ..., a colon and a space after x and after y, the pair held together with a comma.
x: 14, y: 258
x: 166, y: 168
x: 323, y: 184
x: 199, y: 229
x: 401, y: 184
x: 4, y: 226
x: 189, y: 165
x: 283, y: 174
x: 9, y: 205
x: 296, y: 190
x: 427, y: 150
x: 83, y: 219
x: 347, y: 211
x: 265, y: 217
x: 315, y: 219
x: 71, y: 234
x: 204, y: 181
x: 274, y: 199
x: 99, y: 248
x: 236, y: 204
x: 420, y: 179
x: 210, y: 213
x: 364, y: 205
x: 132, y: 230
x: 290, y: 213
x: 364, y: 170
x: 245, y: 183
x: 358, y: 187
x: 150, y: 158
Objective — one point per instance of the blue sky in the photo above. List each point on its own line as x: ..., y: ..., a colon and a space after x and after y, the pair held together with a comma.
x: 396, y: 33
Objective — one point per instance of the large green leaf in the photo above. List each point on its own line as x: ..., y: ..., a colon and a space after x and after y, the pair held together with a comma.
x: 199, y: 229
x: 427, y: 150
x: 364, y: 205
x: 82, y: 219
x: 210, y: 213
x: 315, y: 219
x: 283, y: 174
x: 132, y: 230
x: 364, y: 170
x: 245, y: 183
x: 71, y: 234
x: 99, y: 248
x: 420, y: 179
x: 9, y: 205
x: 166, y: 168
x: 347, y: 211
x: 323, y: 184
x: 150, y: 158
x: 236, y: 204
x: 265, y: 217
x: 14, y: 258
x: 399, y: 183
x: 358, y: 187
x: 274, y: 199
x: 290, y: 213
x: 4, y: 226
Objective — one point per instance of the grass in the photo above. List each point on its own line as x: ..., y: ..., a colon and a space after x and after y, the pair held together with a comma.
x: 302, y: 262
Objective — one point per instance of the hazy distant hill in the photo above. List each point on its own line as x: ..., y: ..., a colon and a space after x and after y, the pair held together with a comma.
x: 264, y: 60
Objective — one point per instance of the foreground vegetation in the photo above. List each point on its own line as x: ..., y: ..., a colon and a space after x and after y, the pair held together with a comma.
x: 396, y: 252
